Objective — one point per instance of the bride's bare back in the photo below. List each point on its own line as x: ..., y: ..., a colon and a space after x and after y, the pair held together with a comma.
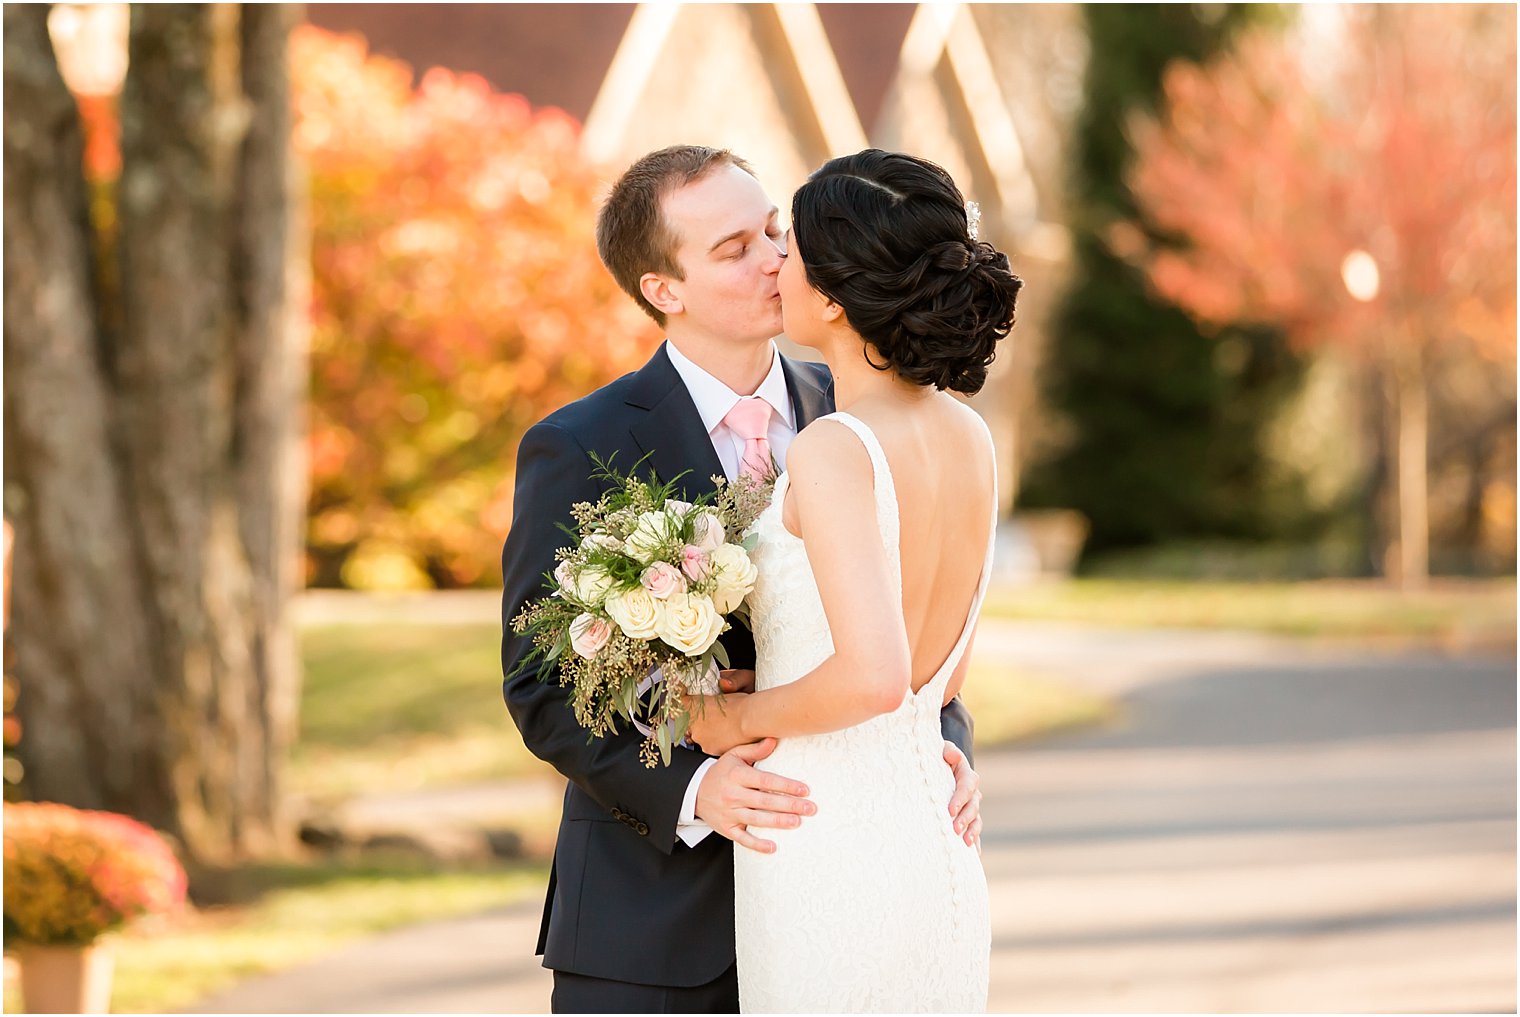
x: 943, y: 471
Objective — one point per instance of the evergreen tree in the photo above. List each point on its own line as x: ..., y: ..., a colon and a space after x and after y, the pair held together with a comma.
x: 1164, y: 422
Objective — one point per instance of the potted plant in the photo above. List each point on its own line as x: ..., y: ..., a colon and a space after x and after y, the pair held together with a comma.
x: 71, y: 876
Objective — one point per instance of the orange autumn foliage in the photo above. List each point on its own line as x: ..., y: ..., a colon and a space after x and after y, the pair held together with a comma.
x: 1271, y: 166
x: 457, y: 298
x: 72, y: 875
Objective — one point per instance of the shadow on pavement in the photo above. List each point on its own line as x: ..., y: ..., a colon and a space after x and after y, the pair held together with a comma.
x: 1312, y: 703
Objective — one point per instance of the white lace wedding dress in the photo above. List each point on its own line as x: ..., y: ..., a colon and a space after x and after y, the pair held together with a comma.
x: 874, y: 904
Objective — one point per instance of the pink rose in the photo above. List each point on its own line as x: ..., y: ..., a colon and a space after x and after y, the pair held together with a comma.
x: 695, y: 563
x: 707, y: 531
x: 588, y: 634
x: 662, y: 580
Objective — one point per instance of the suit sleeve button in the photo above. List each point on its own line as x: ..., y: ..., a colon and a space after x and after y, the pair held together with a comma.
x: 643, y: 829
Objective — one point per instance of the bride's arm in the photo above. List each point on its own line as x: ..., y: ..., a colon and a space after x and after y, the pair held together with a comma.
x: 869, y: 672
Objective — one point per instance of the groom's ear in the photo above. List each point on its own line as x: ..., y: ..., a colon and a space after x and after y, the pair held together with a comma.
x: 657, y: 291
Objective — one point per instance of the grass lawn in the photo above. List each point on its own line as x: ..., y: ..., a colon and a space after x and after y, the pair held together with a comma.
x: 410, y: 706
x: 403, y: 706
x: 1455, y: 614
x: 275, y: 916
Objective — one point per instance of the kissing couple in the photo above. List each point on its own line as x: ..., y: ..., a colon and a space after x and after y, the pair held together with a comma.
x: 819, y: 847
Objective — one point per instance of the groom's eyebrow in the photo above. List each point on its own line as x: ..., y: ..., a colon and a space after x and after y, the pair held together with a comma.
x: 736, y: 234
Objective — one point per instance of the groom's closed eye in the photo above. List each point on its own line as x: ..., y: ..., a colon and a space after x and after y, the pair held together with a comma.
x: 734, y: 253
x: 736, y: 245
x: 731, y: 247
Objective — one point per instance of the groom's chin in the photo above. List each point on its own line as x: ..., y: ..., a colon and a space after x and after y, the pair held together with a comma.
x: 769, y: 330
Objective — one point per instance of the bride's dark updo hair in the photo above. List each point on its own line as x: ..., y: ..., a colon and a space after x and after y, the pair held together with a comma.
x: 885, y: 236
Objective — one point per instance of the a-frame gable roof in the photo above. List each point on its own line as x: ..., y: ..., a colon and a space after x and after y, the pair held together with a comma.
x: 798, y: 60
x: 945, y: 46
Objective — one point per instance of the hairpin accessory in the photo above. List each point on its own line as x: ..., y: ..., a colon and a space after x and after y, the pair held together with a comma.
x: 973, y: 219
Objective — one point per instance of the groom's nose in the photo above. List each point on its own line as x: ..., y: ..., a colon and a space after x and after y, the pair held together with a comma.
x: 775, y: 254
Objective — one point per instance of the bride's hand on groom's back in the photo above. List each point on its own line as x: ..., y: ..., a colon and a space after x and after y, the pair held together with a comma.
x: 736, y: 680
x: 734, y: 796
x: 716, y: 724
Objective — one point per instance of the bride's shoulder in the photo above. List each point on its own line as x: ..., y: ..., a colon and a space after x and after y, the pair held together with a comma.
x: 967, y: 421
x: 958, y: 408
x: 828, y: 452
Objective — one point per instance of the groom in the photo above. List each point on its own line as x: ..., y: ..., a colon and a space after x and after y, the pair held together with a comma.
x: 639, y: 915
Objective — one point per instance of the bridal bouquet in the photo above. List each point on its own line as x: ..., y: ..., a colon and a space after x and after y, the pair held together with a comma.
x: 639, y: 601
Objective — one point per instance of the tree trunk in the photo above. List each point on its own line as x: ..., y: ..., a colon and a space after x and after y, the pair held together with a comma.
x: 1409, y: 560
x: 273, y: 268
x: 80, y: 628
x: 188, y: 413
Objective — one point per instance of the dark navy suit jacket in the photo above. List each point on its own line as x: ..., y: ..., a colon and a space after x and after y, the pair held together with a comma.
x: 627, y: 900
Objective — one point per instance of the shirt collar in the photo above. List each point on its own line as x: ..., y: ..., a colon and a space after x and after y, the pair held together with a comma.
x: 714, y: 399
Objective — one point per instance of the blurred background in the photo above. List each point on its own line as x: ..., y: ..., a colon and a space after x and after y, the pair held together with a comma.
x: 285, y: 285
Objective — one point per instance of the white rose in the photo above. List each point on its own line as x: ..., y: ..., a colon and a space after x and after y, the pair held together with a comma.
x: 565, y: 577
x: 690, y: 624
x: 652, y: 532
x: 707, y: 531
x: 603, y: 540
x: 662, y: 580
x: 591, y: 585
x: 675, y: 507
x: 636, y: 613
x: 588, y: 634
x: 735, y: 574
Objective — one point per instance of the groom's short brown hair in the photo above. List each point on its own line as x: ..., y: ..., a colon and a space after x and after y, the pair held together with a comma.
x: 632, y: 236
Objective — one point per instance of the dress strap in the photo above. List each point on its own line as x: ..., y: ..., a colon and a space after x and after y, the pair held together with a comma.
x: 886, y: 491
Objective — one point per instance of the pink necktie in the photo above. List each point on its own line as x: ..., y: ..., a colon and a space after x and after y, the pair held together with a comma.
x: 749, y: 419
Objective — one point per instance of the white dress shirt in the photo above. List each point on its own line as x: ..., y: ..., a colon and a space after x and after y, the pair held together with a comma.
x: 714, y: 399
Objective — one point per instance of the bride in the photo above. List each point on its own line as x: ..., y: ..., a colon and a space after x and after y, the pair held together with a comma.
x: 873, y: 558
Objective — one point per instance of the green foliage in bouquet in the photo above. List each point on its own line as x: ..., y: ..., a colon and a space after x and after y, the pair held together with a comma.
x: 648, y: 584
x: 71, y: 875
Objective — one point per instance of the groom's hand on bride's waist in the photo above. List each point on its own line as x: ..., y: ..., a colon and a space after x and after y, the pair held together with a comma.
x: 734, y: 796
x: 966, y: 802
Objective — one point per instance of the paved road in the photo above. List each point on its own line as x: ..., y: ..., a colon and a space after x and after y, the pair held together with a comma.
x: 1321, y: 836
x: 1267, y: 827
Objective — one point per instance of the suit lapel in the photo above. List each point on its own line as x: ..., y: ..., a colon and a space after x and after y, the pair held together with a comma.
x: 810, y: 399
x: 670, y: 432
